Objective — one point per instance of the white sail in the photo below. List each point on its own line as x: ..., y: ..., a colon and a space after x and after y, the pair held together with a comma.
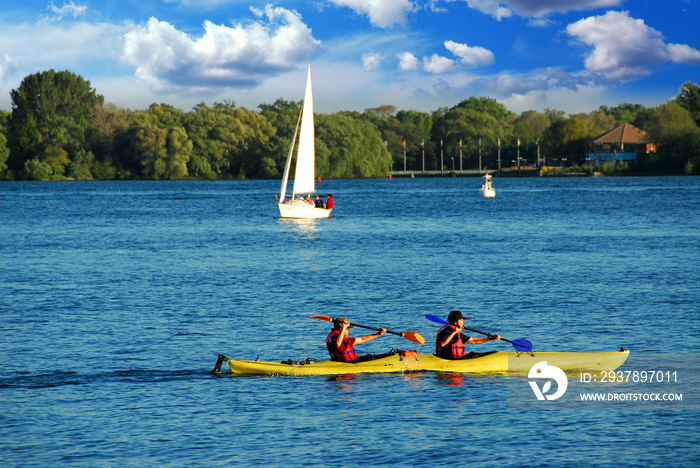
x: 304, y: 175
x: 285, y: 176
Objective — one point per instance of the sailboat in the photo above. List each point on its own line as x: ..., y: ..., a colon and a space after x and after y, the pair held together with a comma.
x: 304, y: 174
x: 487, y: 189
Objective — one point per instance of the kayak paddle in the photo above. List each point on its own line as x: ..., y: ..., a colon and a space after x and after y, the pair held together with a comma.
x: 519, y: 345
x: 410, y: 336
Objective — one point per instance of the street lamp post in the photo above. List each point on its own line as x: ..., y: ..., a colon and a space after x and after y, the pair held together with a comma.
x: 479, y: 154
x: 404, y: 155
x: 499, y: 155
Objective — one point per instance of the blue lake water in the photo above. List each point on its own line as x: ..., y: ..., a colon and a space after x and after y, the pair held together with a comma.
x: 116, y: 298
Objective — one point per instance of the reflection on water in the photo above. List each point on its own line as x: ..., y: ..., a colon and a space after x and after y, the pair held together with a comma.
x: 451, y: 379
x: 306, y: 227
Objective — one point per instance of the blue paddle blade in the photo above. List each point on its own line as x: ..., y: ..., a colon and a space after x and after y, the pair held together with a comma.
x: 522, y: 345
x: 435, y: 319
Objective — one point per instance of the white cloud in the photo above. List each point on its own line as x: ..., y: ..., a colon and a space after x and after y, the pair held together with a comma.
x: 371, y: 60
x: 491, y: 8
x: 68, y: 9
x: 508, y: 84
x: 681, y: 53
x: 169, y: 59
x: 382, y: 13
x: 91, y: 50
x: 437, y: 64
x: 7, y: 66
x: 473, y: 56
x: 539, y: 8
x: 58, y: 45
x: 407, y: 61
x: 500, y: 9
x: 539, y: 22
x: 625, y: 47
x: 582, y: 100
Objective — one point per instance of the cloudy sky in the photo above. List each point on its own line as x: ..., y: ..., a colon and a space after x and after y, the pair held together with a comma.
x: 572, y: 55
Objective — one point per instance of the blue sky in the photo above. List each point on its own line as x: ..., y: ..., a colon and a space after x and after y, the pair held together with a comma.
x: 571, y: 55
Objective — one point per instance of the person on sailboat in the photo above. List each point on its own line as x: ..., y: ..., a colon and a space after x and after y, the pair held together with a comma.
x: 449, y: 343
x: 319, y: 203
x: 340, y: 345
x: 309, y: 200
x: 329, y: 202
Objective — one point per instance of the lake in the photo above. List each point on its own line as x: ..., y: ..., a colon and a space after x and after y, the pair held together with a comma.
x: 117, y: 297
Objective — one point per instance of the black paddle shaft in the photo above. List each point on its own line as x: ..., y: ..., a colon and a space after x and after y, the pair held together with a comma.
x: 375, y: 329
x: 487, y: 334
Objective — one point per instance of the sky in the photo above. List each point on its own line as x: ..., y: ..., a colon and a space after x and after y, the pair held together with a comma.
x: 570, y: 55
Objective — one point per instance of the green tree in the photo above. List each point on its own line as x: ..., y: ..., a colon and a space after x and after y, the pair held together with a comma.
x: 677, y: 138
x: 413, y: 128
x: 566, y: 137
x: 689, y: 99
x: 530, y: 128
x: 471, y: 121
x: 206, y: 128
x: 380, y: 116
x: 599, y: 122
x: 625, y: 113
x: 476, y: 130
x: 249, y: 132
x: 109, y: 141
x: 484, y: 105
x: 384, y: 112
x: 51, y: 114
x: 350, y: 148
x: 81, y: 165
x: 400, y: 136
x: 37, y: 170
x: 163, y: 149
x: 4, y: 150
x: 399, y: 131
x: 422, y: 122
x: 283, y: 116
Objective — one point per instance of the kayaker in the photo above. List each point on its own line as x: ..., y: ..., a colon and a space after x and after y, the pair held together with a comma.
x: 340, y: 345
x: 449, y: 343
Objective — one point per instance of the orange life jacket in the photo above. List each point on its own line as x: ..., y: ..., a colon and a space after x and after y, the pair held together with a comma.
x: 345, y: 352
x: 456, y: 349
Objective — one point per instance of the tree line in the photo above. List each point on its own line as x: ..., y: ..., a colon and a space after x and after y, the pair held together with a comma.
x: 61, y: 129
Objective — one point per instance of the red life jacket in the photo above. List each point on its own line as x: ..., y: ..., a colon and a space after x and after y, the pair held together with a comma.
x: 345, y: 352
x: 456, y: 350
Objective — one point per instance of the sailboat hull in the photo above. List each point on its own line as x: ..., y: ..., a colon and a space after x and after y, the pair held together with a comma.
x: 301, y: 209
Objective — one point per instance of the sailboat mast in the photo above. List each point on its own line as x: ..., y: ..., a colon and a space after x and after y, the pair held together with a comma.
x: 288, y: 164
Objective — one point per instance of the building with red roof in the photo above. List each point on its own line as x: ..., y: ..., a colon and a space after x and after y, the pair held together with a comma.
x: 624, y: 143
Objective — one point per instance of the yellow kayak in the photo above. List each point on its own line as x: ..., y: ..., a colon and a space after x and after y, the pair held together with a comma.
x: 498, y: 362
